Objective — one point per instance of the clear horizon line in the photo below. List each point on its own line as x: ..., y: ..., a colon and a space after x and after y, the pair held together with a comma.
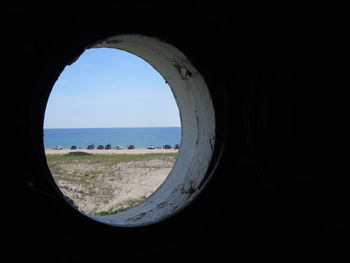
x: 113, y: 127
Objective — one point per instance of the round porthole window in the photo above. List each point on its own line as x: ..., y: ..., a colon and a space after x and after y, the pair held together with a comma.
x: 189, y: 173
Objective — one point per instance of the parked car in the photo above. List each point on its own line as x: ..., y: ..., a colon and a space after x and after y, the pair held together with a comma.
x: 108, y: 147
x: 100, y: 147
x: 118, y: 147
x: 91, y: 147
x: 58, y: 147
x: 130, y: 147
x: 151, y: 147
x: 167, y: 146
x: 176, y: 146
x: 73, y: 147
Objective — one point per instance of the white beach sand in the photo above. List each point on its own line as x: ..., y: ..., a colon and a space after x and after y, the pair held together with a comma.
x: 97, y: 186
x: 113, y: 151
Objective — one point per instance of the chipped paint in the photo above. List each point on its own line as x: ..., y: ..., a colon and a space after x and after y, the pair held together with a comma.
x: 183, y: 71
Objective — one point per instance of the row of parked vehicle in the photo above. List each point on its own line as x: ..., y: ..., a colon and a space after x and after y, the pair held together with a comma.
x: 106, y: 147
x: 118, y: 147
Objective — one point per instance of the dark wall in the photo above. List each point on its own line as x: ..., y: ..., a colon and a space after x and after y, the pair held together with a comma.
x: 276, y: 78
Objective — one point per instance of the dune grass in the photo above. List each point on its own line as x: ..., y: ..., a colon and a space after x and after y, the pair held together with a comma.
x: 94, y: 181
x: 106, y: 159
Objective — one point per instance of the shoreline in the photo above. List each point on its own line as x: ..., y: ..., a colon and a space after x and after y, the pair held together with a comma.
x: 112, y: 151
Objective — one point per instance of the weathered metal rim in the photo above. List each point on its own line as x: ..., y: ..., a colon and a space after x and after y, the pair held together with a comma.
x: 191, y: 93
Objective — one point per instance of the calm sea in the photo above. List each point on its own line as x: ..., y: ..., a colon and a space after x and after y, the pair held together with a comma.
x: 140, y: 137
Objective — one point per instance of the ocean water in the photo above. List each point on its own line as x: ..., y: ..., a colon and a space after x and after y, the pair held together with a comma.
x: 140, y: 137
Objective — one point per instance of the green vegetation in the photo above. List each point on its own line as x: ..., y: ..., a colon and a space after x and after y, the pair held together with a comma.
x: 129, y: 204
x: 87, y: 167
x: 78, y: 153
x: 107, y: 158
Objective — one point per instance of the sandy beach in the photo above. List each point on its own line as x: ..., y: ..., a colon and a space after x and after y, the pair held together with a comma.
x: 112, y: 151
x: 104, y: 181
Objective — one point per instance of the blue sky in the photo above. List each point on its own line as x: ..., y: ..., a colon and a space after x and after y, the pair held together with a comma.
x: 110, y: 88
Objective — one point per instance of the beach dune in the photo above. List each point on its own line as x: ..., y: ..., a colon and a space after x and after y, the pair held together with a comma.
x: 106, y: 181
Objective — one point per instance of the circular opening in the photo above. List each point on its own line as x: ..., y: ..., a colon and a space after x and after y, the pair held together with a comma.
x: 189, y: 173
x: 111, y: 131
